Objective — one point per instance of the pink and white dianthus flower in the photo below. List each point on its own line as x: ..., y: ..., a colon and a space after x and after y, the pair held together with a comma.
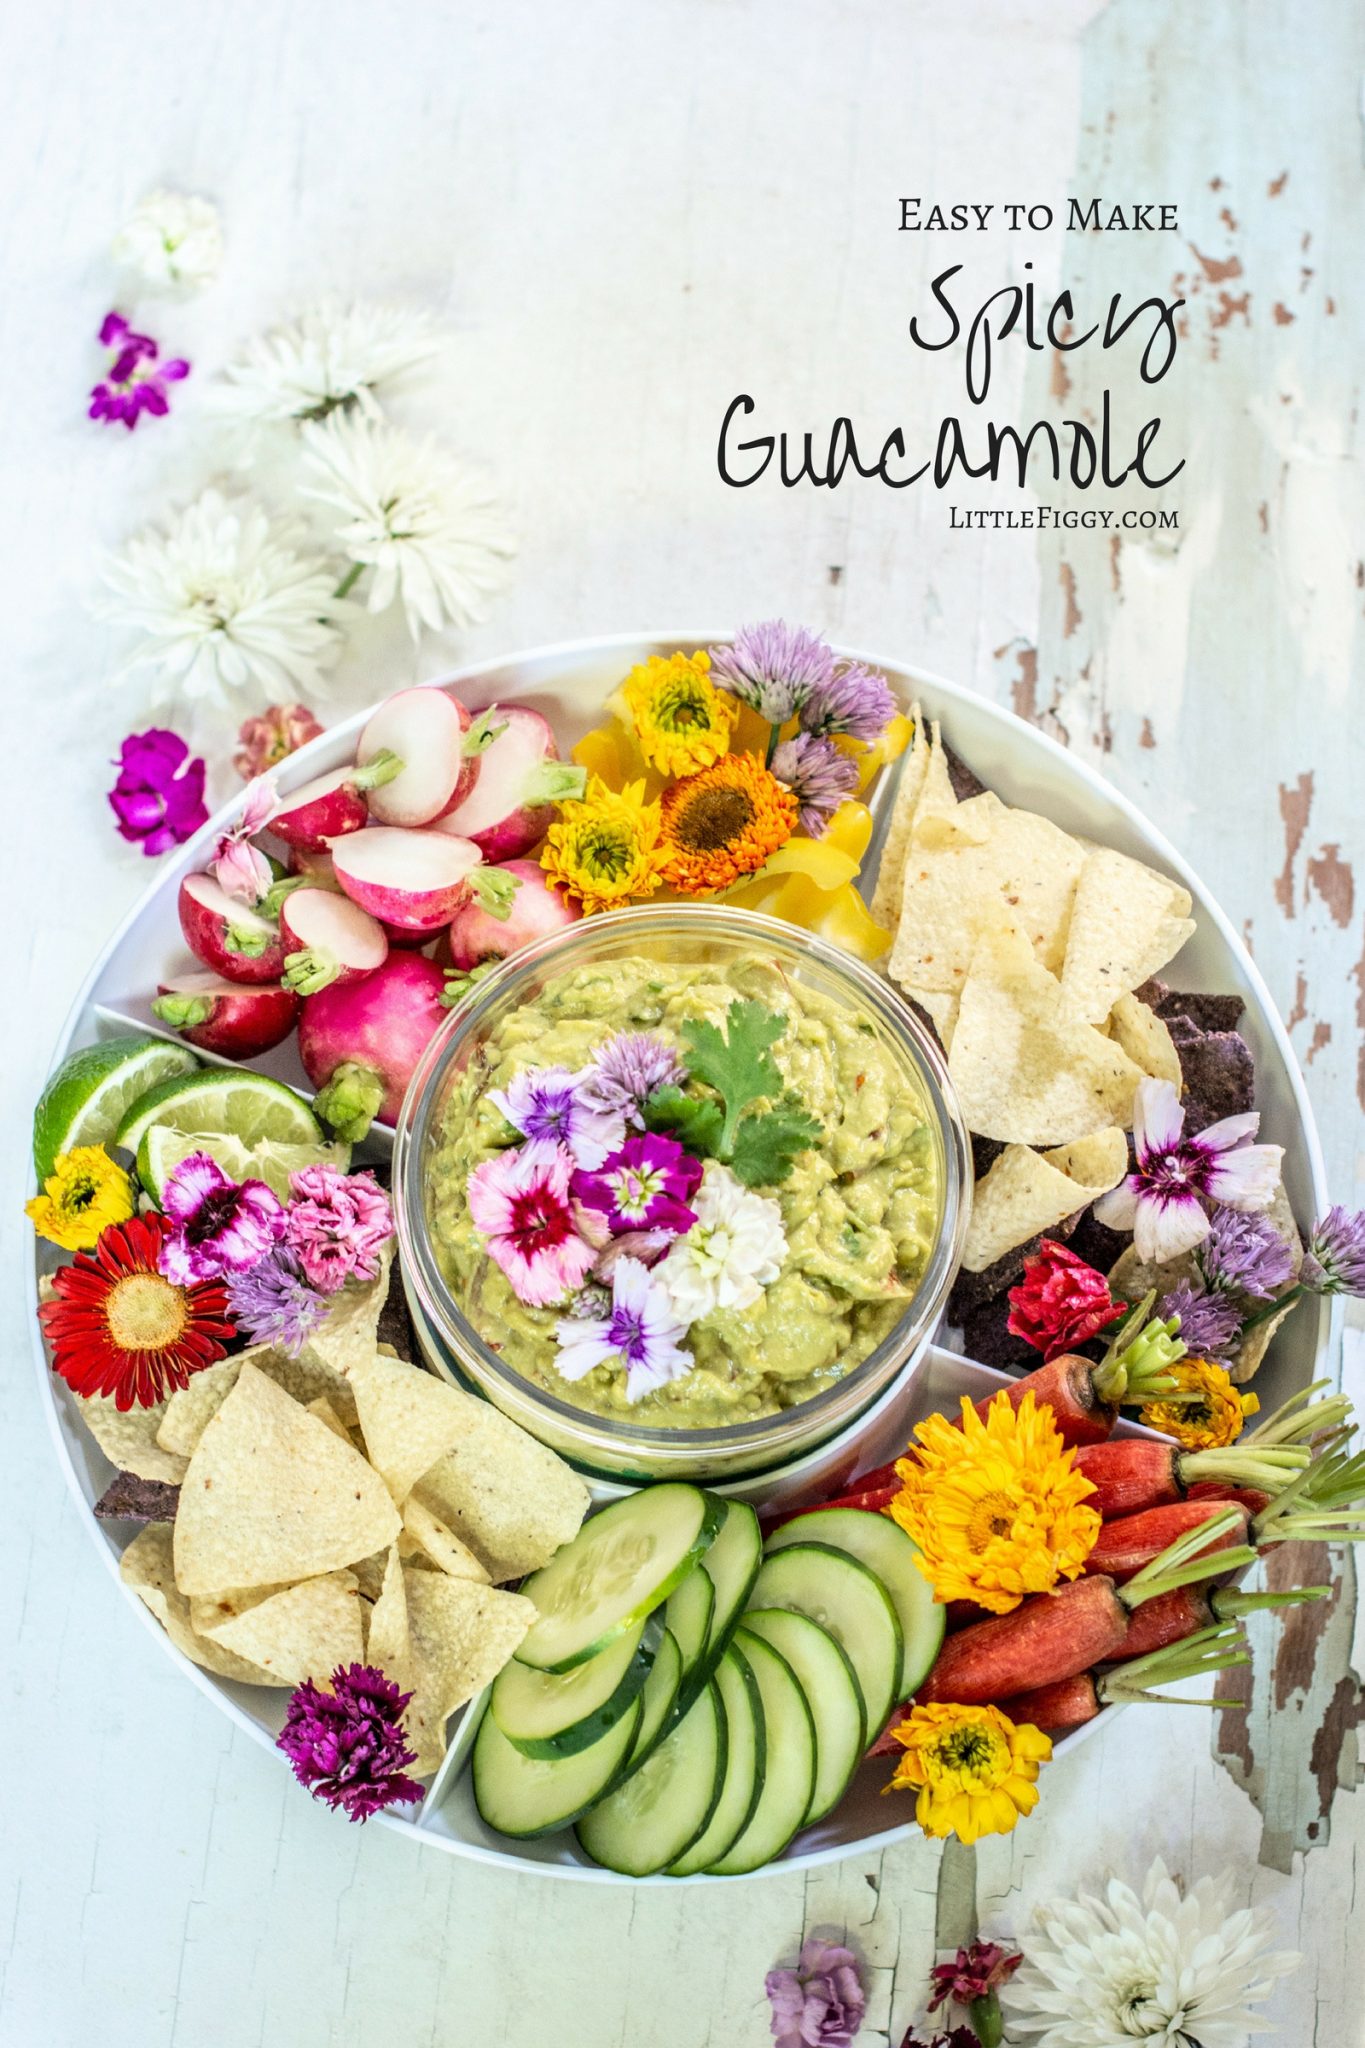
x: 1164, y: 1201
x: 519, y: 1202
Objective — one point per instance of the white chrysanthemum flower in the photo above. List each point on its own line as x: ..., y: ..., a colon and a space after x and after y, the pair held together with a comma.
x: 226, y: 601
x: 333, y: 358
x: 1169, y: 1968
x: 429, y: 529
x: 732, y: 1252
x: 172, y: 241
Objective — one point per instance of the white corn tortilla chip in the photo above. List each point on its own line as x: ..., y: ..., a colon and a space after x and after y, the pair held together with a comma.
x: 1126, y: 922
x: 131, y: 1440
x: 408, y: 1418
x: 347, y: 1339
x: 303, y: 1631
x: 147, y: 1566
x: 388, y: 1642
x: 505, y: 1495
x: 461, y: 1637
x: 886, y: 897
x: 941, y: 1007
x: 440, y: 1544
x: 1027, y: 1192
x: 1024, y: 873
x: 1146, y: 1039
x: 271, y: 1495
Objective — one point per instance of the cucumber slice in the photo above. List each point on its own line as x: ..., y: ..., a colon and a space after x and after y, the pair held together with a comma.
x: 528, y: 1795
x: 789, y: 1763
x: 558, y: 1713
x: 688, y: 1620
x: 883, y: 1546
x: 661, y: 1689
x: 621, y: 1565
x: 826, y: 1677
x: 732, y: 1565
x: 745, y: 1746
x: 851, y: 1604
x: 660, y: 1809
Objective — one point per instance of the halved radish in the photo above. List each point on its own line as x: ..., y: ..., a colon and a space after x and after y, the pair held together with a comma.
x: 331, y: 805
x: 360, y: 1041
x: 314, y: 868
x: 477, y: 934
x: 330, y: 939
x: 226, y: 934
x: 424, y: 729
x: 415, y: 880
x: 521, y: 779
x: 224, y: 1017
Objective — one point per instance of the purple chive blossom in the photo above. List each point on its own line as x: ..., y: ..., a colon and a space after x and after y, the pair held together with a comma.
x: 219, y: 1226
x: 854, y: 700
x: 1245, y: 1255
x: 818, y: 776
x: 273, y: 1303
x: 1334, y: 1262
x: 1209, y: 1323
x: 641, y: 1334
x: 348, y: 1746
x: 1162, y: 1201
x: 627, y: 1070
x: 552, y: 1108
x: 773, y: 668
x: 819, y: 2004
x: 158, y: 798
x: 645, y: 1185
x: 136, y: 379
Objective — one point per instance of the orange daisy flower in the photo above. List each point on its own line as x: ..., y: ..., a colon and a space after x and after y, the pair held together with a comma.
x: 721, y: 824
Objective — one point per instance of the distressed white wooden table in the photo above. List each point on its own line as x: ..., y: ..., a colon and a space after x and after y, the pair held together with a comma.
x: 628, y: 214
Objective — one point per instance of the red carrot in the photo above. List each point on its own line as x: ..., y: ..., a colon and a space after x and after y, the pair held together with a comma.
x: 1071, y: 1702
x: 1123, y: 1547
x: 1085, y: 1397
x: 1250, y: 1497
x: 1130, y: 1474
x: 1186, y: 1609
x: 1066, y: 1386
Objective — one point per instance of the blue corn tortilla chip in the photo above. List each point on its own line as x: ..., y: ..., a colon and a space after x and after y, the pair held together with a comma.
x: 970, y: 1290
x: 965, y: 781
x: 1205, y: 1012
x: 129, y: 1499
x: 1219, y: 1076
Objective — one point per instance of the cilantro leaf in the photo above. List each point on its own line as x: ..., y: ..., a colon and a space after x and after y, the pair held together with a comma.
x: 695, y: 1122
x: 736, y: 1063
x: 768, y: 1142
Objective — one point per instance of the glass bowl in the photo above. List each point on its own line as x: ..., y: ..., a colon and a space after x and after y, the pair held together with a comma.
x: 723, y: 941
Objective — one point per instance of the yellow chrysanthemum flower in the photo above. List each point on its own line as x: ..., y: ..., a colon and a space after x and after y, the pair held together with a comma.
x: 85, y: 1193
x: 682, y: 721
x: 997, y: 1508
x: 1212, y: 1421
x: 974, y: 1770
x: 722, y: 824
x: 603, y: 850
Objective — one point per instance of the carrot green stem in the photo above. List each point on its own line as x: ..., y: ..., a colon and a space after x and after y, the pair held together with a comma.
x: 1267, y: 1469
x: 1136, y: 1367
x: 1210, y: 1649
x: 1276, y: 1306
x: 1179, y: 1564
x: 1299, y: 1419
x: 1328, y: 1495
x: 1228, y: 1603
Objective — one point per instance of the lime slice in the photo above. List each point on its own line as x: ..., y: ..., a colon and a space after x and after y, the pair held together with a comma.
x: 163, y: 1148
x: 219, y: 1102
x: 91, y: 1092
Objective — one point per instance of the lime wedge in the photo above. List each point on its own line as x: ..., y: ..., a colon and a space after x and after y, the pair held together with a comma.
x: 163, y: 1148
x: 91, y: 1092
x: 223, y: 1102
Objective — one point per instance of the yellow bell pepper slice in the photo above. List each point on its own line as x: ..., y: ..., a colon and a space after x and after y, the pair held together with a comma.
x: 870, y: 759
x: 847, y: 922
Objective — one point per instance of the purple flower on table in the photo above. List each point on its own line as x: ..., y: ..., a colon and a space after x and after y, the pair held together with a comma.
x: 519, y: 1203
x: 819, y: 2004
x: 773, y: 668
x: 1163, y: 1200
x: 554, y: 1109
x: 348, y: 1745
x: 854, y: 700
x: 136, y: 379
x: 1209, y: 1323
x: 338, y: 1225
x: 1245, y: 1254
x: 645, y: 1185
x: 240, y: 868
x: 641, y: 1333
x: 818, y: 775
x: 627, y: 1070
x: 274, y: 1304
x: 158, y: 798
x: 219, y: 1226
x: 1334, y: 1261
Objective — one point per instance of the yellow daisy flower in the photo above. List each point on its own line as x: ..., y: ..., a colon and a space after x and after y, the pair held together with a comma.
x: 974, y: 1770
x: 1211, y: 1421
x: 682, y: 721
x: 997, y: 1508
x: 603, y: 850
x: 85, y: 1193
x: 722, y: 824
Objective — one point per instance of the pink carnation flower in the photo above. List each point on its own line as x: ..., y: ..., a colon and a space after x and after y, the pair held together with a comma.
x: 338, y: 1225
x: 519, y: 1202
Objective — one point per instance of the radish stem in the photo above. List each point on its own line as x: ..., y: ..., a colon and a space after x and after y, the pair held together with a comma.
x: 494, y: 890
x: 182, y: 1012
x: 350, y: 1101
x: 375, y: 773
x: 310, y: 969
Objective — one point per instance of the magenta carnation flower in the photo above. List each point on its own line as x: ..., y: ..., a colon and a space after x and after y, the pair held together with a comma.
x: 646, y: 1185
x: 348, y: 1746
x: 338, y: 1225
x: 218, y: 1226
x: 1163, y: 1200
x: 519, y: 1202
x: 158, y: 798
x: 136, y: 379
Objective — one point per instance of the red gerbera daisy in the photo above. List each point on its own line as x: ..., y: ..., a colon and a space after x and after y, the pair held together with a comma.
x: 118, y: 1326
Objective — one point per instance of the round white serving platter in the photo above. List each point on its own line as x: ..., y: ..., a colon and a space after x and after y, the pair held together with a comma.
x: 568, y: 683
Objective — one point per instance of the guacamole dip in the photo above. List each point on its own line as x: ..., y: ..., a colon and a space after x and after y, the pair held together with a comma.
x: 858, y: 1192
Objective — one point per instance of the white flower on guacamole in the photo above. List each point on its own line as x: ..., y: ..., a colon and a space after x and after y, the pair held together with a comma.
x: 732, y: 1252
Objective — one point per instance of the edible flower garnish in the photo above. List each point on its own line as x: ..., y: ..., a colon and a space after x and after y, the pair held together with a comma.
x: 1334, y: 1260
x: 682, y: 721
x: 646, y: 1185
x: 732, y: 1252
x: 603, y: 850
x: 263, y: 742
x: 773, y: 668
x: 85, y: 1192
x: 1244, y: 1254
x: 974, y: 1770
x: 818, y: 775
x: 722, y: 824
x: 760, y: 1145
x: 1061, y: 1302
x: 854, y: 701
x: 1162, y: 1200
x: 239, y: 867
x: 119, y: 1328
x: 136, y: 379
x: 520, y: 1204
x: 1213, y: 1418
x: 158, y: 797
x: 1208, y: 1322
x: 553, y: 1109
x: 338, y: 1225
x: 641, y: 1333
x: 348, y: 1745
x: 820, y: 2003
x: 972, y: 1980
x: 218, y: 1225
x: 273, y: 1302
x: 627, y: 1070
x: 997, y: 1508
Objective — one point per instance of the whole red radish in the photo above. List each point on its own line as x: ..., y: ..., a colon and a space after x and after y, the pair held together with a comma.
x: 535, y: 908
x: 226, y: 934
x: 432, y: 734
x: 415, y: 880
x: 520, y: 781
x: 361, y: 1040
x: 330, y: 939
x: 227, y: 1017
x: 331, y: 805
